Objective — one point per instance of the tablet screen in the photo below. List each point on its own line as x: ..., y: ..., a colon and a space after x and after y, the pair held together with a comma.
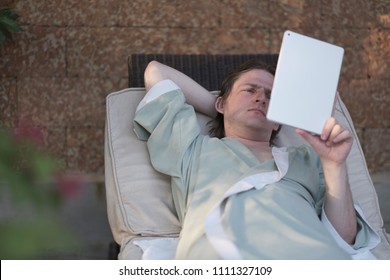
x: 305, y: 83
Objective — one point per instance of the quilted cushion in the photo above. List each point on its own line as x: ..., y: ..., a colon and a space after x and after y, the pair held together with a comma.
x: 139, y: 201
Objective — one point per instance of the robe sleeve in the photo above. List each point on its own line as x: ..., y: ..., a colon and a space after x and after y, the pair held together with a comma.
x: 168, y: 124
x: 366, y: 237
x: 170, y: 127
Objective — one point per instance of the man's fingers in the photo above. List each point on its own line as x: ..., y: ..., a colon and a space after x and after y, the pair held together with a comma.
x: 343, y: 135
x: 334, y: 133
x: 328, y: 127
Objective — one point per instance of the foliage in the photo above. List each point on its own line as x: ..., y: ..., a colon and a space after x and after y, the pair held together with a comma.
x: 26, y: 169
x: 8, y: 24
x: 32, y: 188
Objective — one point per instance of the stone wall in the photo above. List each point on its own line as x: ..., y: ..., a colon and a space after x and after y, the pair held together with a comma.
x: 72, y: 53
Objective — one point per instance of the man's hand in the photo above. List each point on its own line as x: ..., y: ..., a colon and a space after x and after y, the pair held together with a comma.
x: 333, y: 145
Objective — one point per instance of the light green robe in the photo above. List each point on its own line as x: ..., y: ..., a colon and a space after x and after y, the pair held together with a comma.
x: 279, y: 221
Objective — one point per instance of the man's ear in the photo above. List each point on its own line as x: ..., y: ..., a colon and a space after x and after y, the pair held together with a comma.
x: 219, y: 106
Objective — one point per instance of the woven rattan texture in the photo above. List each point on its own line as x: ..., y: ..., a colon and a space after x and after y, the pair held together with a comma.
x: 208, y: 70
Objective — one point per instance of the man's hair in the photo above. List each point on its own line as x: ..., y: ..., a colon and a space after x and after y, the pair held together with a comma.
x: 217, y: 128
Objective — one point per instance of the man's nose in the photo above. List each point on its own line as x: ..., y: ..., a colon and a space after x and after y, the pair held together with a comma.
x: 260, y: 96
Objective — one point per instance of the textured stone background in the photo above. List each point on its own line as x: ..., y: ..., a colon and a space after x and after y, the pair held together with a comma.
x: 72, y: 53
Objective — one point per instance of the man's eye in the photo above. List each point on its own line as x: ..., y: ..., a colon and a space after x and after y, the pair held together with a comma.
x: 268, y: 93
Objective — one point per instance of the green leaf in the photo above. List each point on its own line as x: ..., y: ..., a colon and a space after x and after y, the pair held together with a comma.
x: 34, y: 237
x: 8, y: 24
x: 43, y: 166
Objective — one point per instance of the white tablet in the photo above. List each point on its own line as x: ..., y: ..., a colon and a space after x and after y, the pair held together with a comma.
x: 305, y: 84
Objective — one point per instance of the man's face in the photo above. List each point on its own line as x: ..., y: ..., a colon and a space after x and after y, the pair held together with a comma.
x: 246, y: 107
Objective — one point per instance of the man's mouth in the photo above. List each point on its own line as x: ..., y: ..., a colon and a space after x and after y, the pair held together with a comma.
x: 258, y: 110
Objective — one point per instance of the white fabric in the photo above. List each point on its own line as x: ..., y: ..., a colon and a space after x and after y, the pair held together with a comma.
x: 213, y: 226
x: 158, y: 89
x: 227, y: 249
x: 157, y: 249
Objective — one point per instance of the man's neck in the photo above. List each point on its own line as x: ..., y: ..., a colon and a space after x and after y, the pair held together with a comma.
x: 261, y: 149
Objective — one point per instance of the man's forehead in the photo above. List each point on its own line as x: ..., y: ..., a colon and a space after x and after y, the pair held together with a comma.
x: 256, y: 77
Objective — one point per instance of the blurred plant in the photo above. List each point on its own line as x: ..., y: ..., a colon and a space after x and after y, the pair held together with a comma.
x: 8, y: 24
x: 32, y: 188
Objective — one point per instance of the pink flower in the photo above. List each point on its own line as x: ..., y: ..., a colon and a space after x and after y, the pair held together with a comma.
x: 27, y: 130
x: 70, y: 185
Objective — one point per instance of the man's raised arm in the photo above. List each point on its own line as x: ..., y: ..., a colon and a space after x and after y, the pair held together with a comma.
x: 195, y: 94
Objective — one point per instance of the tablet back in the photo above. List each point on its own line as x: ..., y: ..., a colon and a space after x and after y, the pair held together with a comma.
x: 305, y: 82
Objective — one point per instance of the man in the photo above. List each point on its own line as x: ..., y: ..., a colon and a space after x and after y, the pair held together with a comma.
x: 237, y: 196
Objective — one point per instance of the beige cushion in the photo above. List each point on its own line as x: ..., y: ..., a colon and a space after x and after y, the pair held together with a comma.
x: 139, y: 201
x: 139, y: 198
